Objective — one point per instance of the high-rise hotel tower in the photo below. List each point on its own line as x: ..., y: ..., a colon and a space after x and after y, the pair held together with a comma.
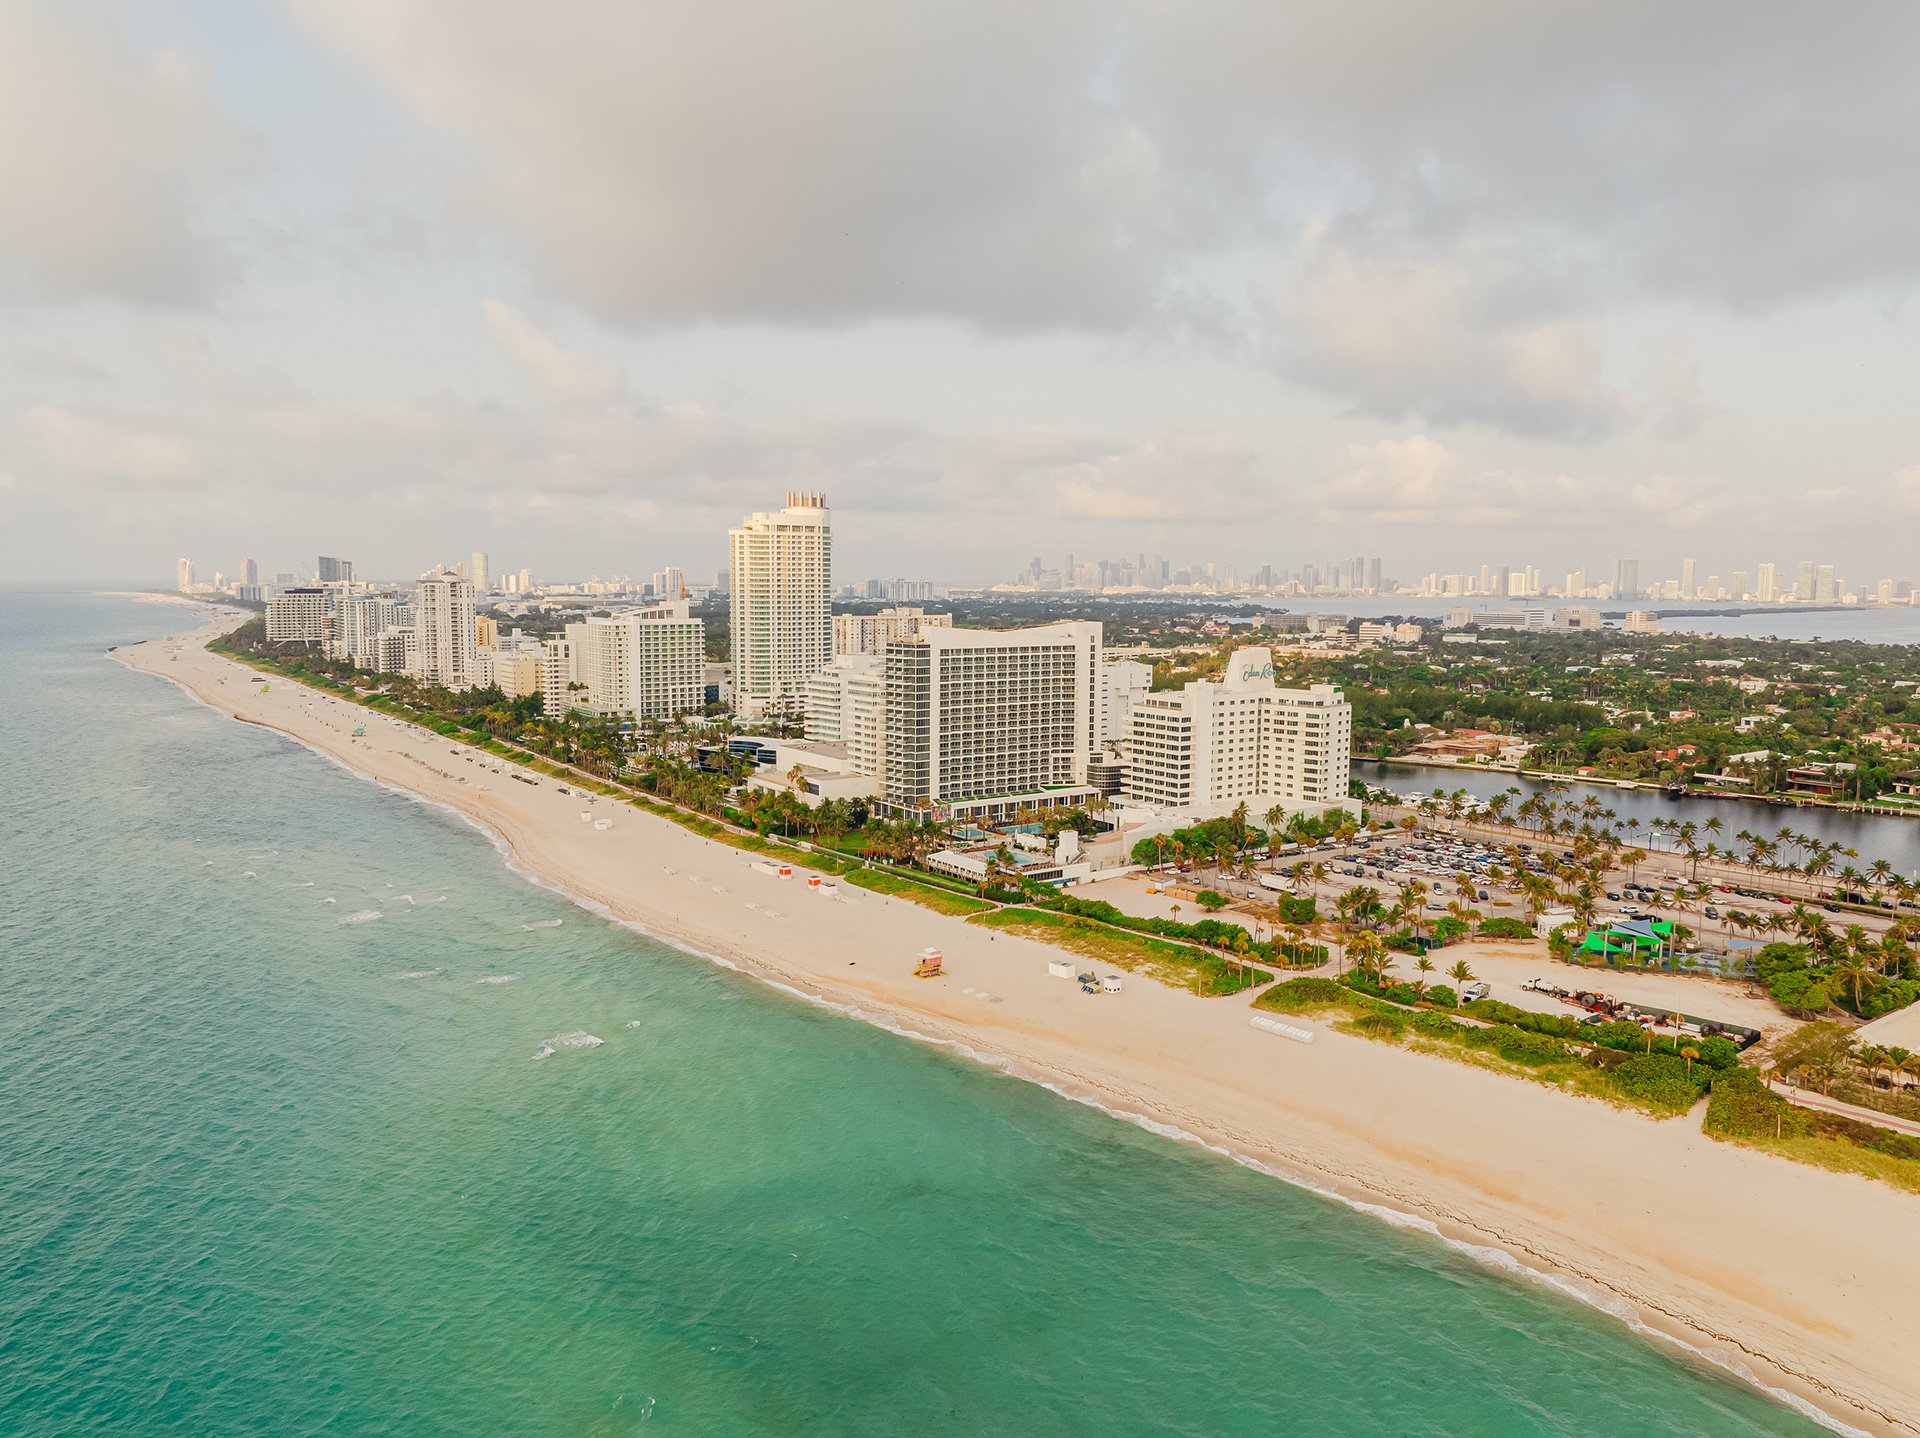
x: 782, y: 615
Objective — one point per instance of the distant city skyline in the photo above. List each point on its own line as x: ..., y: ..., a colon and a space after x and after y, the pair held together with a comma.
x: 1805, y: 581
x: 658, y: 572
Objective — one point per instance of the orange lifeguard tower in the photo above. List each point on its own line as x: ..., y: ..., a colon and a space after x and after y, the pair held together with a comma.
x: 929, y: 965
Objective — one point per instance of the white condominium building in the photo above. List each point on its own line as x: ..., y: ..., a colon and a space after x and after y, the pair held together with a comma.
x: 1216, y: 743
x: 1123, y: 683
x: 443, y: 627
x: 396, y: 651
x: 781, y: 616
x: 872, y: 633
x: 559, y: 690
x: 982, y: 723
x: 358, y: 621
x: 640, y: 663
x: 301, y: 615
x: 517, y: 671
x: 847, y: 704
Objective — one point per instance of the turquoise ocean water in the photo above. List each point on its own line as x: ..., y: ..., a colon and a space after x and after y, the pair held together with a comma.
x: 256, y: 1181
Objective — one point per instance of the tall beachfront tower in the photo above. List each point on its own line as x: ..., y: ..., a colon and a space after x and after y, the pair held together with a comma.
x: 478, y: 573
x: 986, y: 724
x: 782, y: 614
x: 443, y: 626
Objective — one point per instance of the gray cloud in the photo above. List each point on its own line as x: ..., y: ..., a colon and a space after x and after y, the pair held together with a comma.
x: 603, y: 481
x: 567, y: 377
x: 1434, y: 337
x: 108, y: 158
x: 785, y: 162
x: 1481, y: 186
x: 1419, y: 482
x: 1713, y: 150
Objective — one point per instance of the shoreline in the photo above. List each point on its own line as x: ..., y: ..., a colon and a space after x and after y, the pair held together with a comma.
x: 1507, y: 1190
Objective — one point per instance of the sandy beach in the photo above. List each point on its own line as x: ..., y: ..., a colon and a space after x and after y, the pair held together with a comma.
x: 1805, y: 1281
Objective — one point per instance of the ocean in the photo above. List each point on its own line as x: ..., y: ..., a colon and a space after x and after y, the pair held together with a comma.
x: 302, y: 1132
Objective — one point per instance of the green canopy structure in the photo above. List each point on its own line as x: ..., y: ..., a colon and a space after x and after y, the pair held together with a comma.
x: 1635, y: 938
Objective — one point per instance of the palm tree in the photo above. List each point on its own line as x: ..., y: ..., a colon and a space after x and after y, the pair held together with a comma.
x: 1425, y: 966
x: 1873, y: 1058
x: 1689, y: 1053
x: 1857, y: 977
x: 1366, y: 952
x: 1461, y: 972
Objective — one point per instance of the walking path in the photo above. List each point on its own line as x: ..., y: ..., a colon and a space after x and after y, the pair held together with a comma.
x: 1847, y: 1110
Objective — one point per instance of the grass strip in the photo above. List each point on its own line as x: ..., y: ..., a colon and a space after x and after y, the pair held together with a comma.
x: 1179, y: 966
x: 941, y: 901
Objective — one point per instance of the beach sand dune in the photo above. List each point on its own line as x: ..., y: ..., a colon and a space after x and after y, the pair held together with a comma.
x: 1805, y: 1280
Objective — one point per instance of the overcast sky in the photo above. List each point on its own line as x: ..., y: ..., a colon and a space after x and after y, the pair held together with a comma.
x: 579, y: 282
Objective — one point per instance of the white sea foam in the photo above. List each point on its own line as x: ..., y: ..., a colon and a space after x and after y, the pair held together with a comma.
x: 572, y: 1039
x: 545, y: 924
x: 635, y: 1023
x: 304, y: 884
x: 497, y: 979
x: 329, y: 900
x: 249, y: 875
x: 421, y: 974
x: 364, y: 916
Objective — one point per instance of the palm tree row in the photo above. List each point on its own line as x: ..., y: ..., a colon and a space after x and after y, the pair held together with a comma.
x: 1786, y: 853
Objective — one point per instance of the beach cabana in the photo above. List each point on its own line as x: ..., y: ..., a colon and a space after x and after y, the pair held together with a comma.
x: 1632, y: 938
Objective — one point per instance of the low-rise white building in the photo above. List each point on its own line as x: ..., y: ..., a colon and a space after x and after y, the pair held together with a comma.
x: 812, y: 771
x: 1214, y: 744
